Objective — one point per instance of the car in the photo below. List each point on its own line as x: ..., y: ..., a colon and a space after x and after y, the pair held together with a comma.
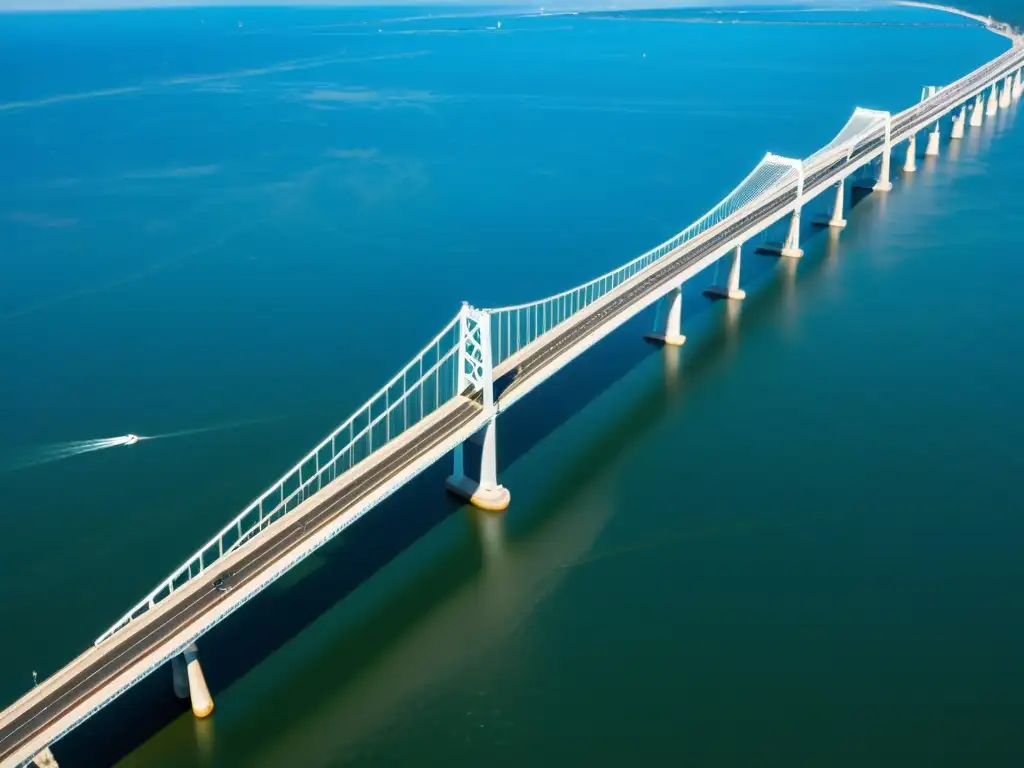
x: 221, y: 583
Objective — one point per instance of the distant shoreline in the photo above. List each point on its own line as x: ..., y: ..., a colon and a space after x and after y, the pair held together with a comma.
x: 1000, y: 28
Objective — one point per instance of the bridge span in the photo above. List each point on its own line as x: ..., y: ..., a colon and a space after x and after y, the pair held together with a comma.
x: 479, y: 365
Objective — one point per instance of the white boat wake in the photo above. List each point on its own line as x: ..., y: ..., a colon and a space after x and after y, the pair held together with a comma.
x: 47, y: 454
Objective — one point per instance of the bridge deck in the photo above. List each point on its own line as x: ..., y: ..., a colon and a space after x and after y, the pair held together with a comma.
x: 104, y: 671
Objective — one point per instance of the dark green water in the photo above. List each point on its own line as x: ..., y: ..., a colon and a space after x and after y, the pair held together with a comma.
x: 793, y: 542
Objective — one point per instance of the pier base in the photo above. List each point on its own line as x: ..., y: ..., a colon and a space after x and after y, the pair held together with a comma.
x: 494, y: 499
x: 45, y: 759
x: 993, y: 103
x: 932, y: 149
x: 484, y: 493
x: 202, y: 701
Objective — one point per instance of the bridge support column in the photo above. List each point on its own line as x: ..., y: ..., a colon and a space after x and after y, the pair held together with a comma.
x: 668, y: 320
x: 993, y: 101
x: 884, y: 183
x: 45, y: 759
x: 910, y: 164
x: 732, y: 288
x: 932, y: 150
x: 179, y: 676
x: 791, y: 248
x: 202, y: 701
x: 1018, y: 87
x: 978, y: 111
x: 958, y: 124
x: 484, y: 493
x: 1004, y: 96
x: 837, y: 221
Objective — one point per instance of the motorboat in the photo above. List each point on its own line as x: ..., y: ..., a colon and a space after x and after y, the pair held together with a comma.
x: 131, y: 440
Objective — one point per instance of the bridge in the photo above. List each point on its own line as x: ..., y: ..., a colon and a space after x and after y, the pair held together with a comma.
x: 452, y: 392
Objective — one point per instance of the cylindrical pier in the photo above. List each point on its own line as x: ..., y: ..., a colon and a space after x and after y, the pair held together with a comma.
x: 732, y: 289
x: 485, y: 493
x: 910, y: 163
x: 958, y: 124
x: 993, y: 101
x: 669, y: 319
x: 837, y: 221
x: 932, y: 150
x: 1004, y: 94
x: 978, y: 111
x: 202, y: 701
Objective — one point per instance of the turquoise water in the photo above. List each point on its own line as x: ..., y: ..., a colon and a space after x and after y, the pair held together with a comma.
x: 793, y: 541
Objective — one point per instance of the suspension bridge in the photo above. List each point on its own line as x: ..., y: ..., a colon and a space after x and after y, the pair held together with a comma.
x: 481, y: 363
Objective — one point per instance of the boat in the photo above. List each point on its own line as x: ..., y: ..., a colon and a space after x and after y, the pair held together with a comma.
x: 131, y: 440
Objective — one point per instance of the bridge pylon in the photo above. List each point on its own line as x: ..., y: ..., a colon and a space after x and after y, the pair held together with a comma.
x: 477, y: 373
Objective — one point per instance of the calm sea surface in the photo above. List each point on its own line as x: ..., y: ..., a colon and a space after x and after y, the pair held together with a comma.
x: 796, y: 541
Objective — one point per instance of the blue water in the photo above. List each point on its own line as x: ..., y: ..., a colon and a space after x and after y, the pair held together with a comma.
x: 242, y: 221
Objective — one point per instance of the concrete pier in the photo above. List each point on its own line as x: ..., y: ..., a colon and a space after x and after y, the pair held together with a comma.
x: 45, y: 759
x: 978, y: 111
x: 837, y: 221
x: 668, y: 320
x: 1004, y: 96
x: 932, y: 150
x: 790, y: 247
x: 993, y: 101
x: 910, y: 163
x: 958, y: 124
x: 202, y: 701
x: 485, y: 493
x: 884, y: 183
x: 732, y: 289
x: 1018, y: 86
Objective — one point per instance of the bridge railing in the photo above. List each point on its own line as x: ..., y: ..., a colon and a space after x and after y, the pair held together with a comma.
x: 516, y: 327
x: 430, y: 380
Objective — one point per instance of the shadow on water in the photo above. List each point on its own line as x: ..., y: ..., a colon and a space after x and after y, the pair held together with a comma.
x: 285, y: 609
